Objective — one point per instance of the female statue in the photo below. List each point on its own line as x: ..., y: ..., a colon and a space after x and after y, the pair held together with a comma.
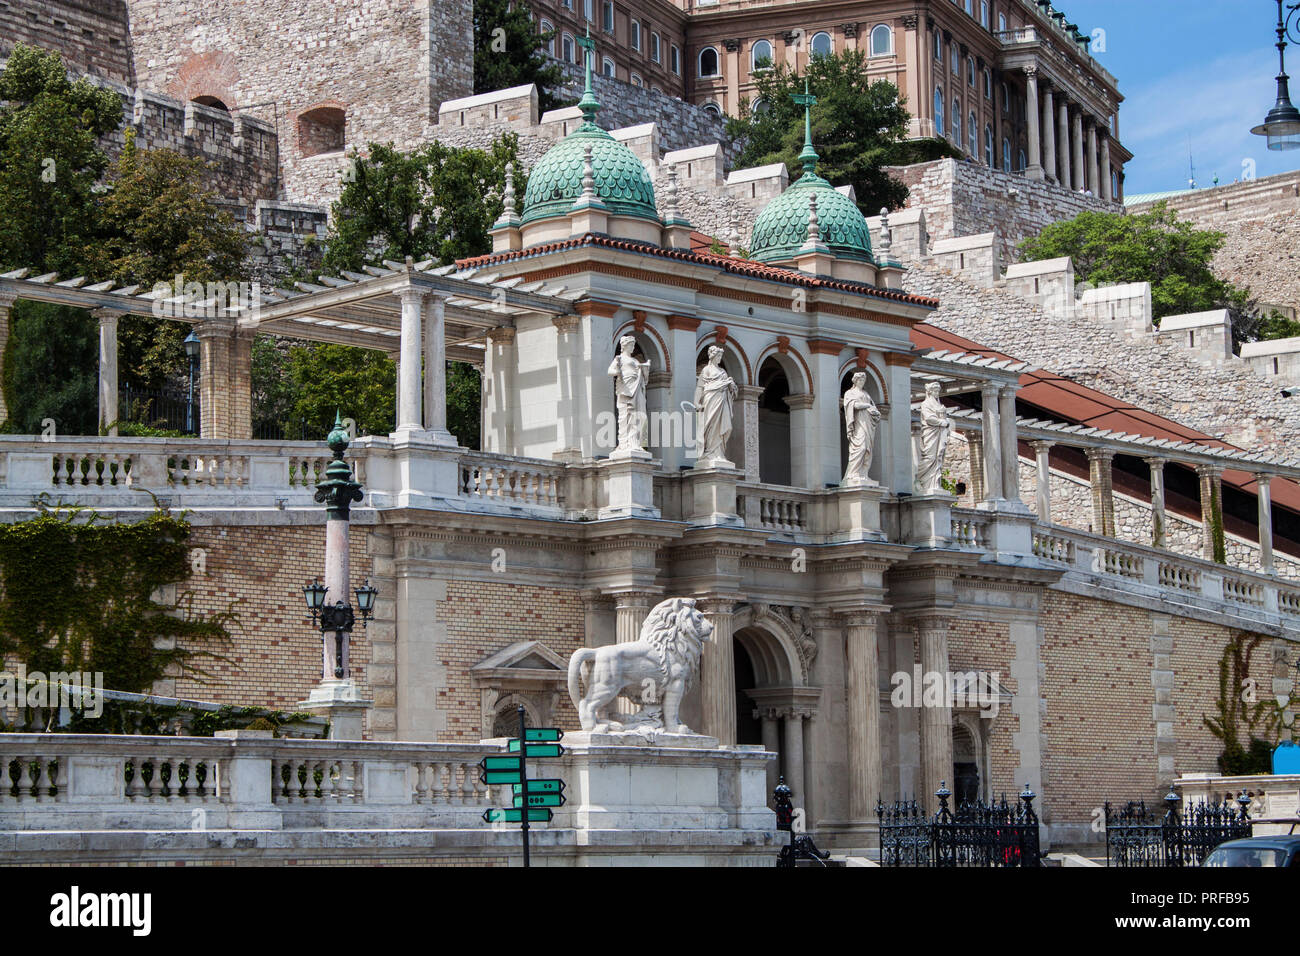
x: 935, y: 429
x: 715, y: 391
x: 861, y: 416
x: 630, y: 380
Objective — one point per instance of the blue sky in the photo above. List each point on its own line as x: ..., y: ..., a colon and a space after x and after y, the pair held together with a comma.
x: 1202, y: 69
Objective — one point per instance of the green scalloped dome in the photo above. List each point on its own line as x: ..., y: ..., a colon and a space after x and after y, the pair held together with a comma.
x: 622, y: 182
x: 782, y: 228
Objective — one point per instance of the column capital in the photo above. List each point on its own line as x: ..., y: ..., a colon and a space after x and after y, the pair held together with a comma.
x: 502, y: 335
x: 7, y: 300
x: 717, y: 603
x: 595, y: 598
x: 1042, y: 446
x: 1100, y: 454
x: 1031, y: 71
x: 751, y: 393
x: 1208, y: 470
x: 412, y: 296
x: 801, y: 401
x: 107, y: 315
x: 860, y: 616
x: 1262, y: 478
x: 633, y: 597
x: 564, y: 324
x: 1156, y: 462
x: 929, y: 621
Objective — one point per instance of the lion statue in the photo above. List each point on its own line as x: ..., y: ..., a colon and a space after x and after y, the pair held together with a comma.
x: 656, y: 670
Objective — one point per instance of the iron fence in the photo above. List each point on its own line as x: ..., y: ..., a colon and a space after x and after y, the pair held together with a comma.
x: 976, y: 834
x: 160, y: 408
x: 1138, y: 836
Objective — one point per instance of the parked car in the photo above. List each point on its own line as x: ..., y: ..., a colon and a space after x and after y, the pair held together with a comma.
x: 1257, y: 851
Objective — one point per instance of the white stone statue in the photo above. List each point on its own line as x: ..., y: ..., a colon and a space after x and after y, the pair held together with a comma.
x: 935, y: 429
x: 861, y: 416
x: 654, y: 672
x: 715, y: 391
x: 630, y: 380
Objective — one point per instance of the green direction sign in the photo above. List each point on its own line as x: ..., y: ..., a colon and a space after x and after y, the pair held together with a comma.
x: 492, y: 777
x: 542, y: 734
x: 540, y: 799
x: 541, y: 786
x: 500, y: 763
x: 536, y: 750
x: 535, y: 815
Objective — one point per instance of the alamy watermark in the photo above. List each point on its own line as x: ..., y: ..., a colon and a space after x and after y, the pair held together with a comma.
x: 180, y: 299
x: 922, y: 688
x: 73, y: 690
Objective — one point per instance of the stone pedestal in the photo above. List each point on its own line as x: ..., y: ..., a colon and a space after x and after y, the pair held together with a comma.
x: 342, y: 704
x: 1011, y: 532
x: 419, y: 472
x: 627, y: 479
x: 859, y: 513
x: 713, y: 494
x: 623, y: 781
x: 247, y: 785
x: 927, y: 520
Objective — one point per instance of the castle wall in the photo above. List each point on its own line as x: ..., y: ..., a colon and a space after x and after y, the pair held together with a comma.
x: 92, y: 36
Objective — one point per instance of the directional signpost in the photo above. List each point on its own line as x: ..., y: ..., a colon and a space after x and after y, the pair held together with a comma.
x: 533, y: 799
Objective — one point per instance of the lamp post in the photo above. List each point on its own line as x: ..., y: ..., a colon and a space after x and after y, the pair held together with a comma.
x: 328, y: 602
x: 1282, y: 124
x: 192, y: 348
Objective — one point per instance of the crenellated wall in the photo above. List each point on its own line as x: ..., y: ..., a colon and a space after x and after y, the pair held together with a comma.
x: 92, y: 36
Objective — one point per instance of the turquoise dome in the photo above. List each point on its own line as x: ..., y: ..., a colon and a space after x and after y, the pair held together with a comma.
x: 782, y: 228
x: 622, y: 183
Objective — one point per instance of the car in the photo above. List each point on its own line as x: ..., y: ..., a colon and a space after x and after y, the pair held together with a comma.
x: 1278, y: 850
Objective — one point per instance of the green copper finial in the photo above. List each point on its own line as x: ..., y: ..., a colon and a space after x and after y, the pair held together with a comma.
x: 805, y: 99
x: 337, y: 490
x: 588, y: 104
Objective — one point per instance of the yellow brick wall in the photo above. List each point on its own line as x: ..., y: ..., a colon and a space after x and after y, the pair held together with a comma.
x: 986, y: 645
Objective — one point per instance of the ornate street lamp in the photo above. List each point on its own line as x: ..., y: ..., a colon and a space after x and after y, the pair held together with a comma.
x: 337, y: 491
x: 192, y: 348
x: 1282, y: 124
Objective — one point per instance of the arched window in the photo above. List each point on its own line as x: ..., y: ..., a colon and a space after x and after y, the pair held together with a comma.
x: 1006, y: 155
x: 1020, y: 160
x: 607, y: 67
x: 821, y: 44
x: 547, y: 27
x: 882, y: 40
x: 708, y: 62
x: 938, y: 46
x: 636, y: 80
x: 607, y: 16
x: 566, y: 49
x: 760, y: 107
x: 984, y: 14
x: 676, y: 59
x: 969, y: 11
x: 1114, y: 186
x: 988, y: 83
x: 1002, y: 23
x: 713, y: 108
x: 655, y: 89
x: 760, y: 56
x: 1006, y: 99
x: 211, y: 102
x: 321, y: 130
x: 972, y: 132
x: 956, y: 59
x: 636, y: 34
x: 970, y: 72
x: 938, y: 112
x: 956, y: 121
x: 988, y: 146
x: 654, y: 47
x: 588, y: 6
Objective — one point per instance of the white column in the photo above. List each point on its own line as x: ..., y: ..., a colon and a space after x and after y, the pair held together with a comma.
x: 936, y: 722
x: 1076, y: 140
x: 567, y: 351
x: 408, y: 385
x: 1100, y: 463
x: 1010, y: 446
x: 1042, y: 457
x: 1265, y: 497
x: 771, y: 743
x: 863, y: 715
x: 792, y: 756
x: 992, y: 445
x: 718, y: 681
x: 749, y: 398
x: 1049, y: 136
x: 1035, y: 168
x: 1063, y: 141
x: 108, y: 411
x: 1157, y: 466
x: 435, y: 370
x: 499, y: 405
x: 1093, y: 183
x: 1106, y: 192
x: 803, y: 425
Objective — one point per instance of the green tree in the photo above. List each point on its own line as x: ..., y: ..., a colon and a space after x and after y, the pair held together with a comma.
x: 858, y: 127
x: 508, y: 51
x: 50, y: 161
x: 50, y: 369
x: 1156, y: 247
x: 361, y: 383
x: 161, y: 220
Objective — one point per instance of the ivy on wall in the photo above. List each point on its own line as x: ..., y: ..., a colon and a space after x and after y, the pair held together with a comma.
x: 78, y: 593
x: 1247, y: 719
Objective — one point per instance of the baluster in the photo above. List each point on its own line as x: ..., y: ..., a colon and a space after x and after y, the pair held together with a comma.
x: 41, y: 779
x: 421, y: 782
x: 468, y: 784
x: 6, y: 783
x: 154, y: 783
x: 24, y: 779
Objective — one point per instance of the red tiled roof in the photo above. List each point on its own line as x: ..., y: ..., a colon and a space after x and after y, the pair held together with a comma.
x: 1081, y: 405
x: 745, y: 267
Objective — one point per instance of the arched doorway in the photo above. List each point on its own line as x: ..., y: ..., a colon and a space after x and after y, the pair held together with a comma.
x: 749, y: 726
x: 773, y: 425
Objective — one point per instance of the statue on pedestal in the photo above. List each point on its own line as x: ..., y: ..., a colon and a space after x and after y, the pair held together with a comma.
x: 654, y: 672
x: 935, y: 429
x: 715, y: 391
x: 630, y: 381
x: 861, y: 416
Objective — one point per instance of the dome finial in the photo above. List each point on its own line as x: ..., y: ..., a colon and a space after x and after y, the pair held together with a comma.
x: 588, y: 104
x: 805, y: 99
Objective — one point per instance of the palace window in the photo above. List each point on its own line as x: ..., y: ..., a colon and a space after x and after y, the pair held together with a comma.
x: 567, y: 49
x: 821, y: 44
x: 988, y: 146
x: 1006, y: 155
x: 713, y: 108
x: 938, y: 46
x: 636, y: 34
x: 607, y: 16
x: 588, y: 9
x: 760, y: 56
x: 675, y: 55
x: 984, y: 14
x: 636, y: 80
x: 654, y: 47
x: 1006, y: 99
x: 882, y: 40
x: 1002, y: 23
x: 1020, y: 158
x: 938, y: 111
x: 321, y: 130
x: 548, y: 27
x: 956, y: 121
x: 760, y: 107
x: 708, y: 62
x: 972, y: 132
x: 967, y: 5
x: 970, y: 72
x: 988, y: 83
x: 956, y: 59
x: 567, y: 4
x: 607, y: 67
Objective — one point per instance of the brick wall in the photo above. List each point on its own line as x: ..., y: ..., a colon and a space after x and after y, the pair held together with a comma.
x: 93, y: 36
x: 986, y: 645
